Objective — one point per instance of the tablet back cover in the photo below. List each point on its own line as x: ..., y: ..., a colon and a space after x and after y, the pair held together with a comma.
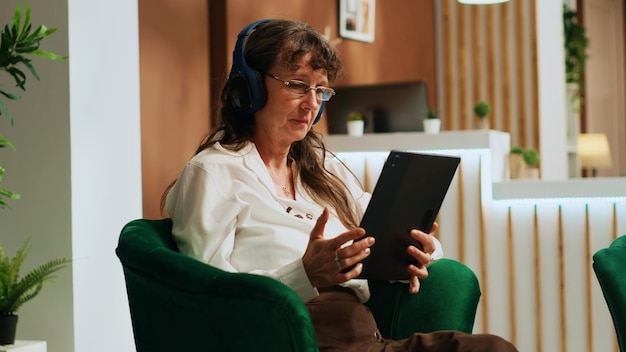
x: 408, y: 194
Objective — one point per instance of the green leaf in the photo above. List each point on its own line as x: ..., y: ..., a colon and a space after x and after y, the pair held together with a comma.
x: 5, y: 143
x: 6, y: 112
x: 15, y: 291
x: 26, y: 26
x: 6, y: 193
x: 8, y: 95
x: 48, y: 55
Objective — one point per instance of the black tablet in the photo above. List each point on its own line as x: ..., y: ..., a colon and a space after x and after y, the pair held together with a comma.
x: 408, y: 194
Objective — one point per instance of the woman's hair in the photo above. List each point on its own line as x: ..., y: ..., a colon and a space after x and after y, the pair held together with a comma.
x: 282, y: 43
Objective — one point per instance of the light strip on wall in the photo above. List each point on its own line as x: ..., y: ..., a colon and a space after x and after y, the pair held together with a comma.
x: 481, y: 2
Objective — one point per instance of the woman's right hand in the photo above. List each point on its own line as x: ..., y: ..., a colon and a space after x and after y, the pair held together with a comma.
x: 324, y: 260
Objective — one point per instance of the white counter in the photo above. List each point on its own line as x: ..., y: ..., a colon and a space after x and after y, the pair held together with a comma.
x: 496, y: 142
x: 498, y: 145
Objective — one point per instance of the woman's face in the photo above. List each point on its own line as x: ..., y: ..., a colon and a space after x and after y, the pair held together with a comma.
x: 286, y: 118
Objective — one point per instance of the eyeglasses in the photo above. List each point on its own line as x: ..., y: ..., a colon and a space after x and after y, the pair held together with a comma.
x: 299, y: 88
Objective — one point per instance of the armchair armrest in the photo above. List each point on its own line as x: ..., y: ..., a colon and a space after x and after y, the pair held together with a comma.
x: 178, y: 303
x: 447, y: 300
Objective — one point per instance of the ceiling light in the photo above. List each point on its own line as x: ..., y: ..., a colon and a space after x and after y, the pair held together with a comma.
x: 481, y: 2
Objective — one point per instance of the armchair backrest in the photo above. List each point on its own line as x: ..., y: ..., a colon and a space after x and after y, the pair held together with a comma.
x: 180, y: 304
x: 609, y: 265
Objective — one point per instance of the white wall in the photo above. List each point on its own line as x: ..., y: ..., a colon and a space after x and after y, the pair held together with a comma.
x: 552, y: 90
x: 78, y: 168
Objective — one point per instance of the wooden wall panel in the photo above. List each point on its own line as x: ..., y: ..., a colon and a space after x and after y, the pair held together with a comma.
x: 174, y: 60
x: 488, y: 52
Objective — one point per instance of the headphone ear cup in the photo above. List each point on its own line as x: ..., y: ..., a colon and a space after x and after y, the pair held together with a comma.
x: 245, y: 86
x: 319, y: 113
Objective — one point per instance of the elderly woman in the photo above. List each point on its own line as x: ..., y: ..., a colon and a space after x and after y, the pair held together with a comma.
x: 262, y: 194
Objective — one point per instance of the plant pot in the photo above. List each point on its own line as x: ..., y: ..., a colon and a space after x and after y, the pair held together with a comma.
x: 355, y: 128
x: 482, y: 124
x: 531, y: 173
x: 432, y: 126
x: 517, y: 166
x: 8, y: 325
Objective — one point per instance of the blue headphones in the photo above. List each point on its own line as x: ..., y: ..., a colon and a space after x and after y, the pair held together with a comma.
x: 247, y: 92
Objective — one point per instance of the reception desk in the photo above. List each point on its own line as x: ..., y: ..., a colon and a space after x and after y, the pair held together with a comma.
x: 529, y: 242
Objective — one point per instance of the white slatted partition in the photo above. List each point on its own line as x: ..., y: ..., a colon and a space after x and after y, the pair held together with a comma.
x: 532, y: 256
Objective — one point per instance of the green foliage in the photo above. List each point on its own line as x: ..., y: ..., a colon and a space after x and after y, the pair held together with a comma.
x: 576, y: 43
x: 16, y: 290
x: 17, y: 40
x: 516, y: 150
x: 531, y: 157
x: 355, y: 116
x: 481, y: 109
x: 431, y: 113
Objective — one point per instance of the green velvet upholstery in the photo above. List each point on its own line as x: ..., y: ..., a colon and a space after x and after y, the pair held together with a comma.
x: 447, y: 300
x: 609, y: 265
x: 180, y: 304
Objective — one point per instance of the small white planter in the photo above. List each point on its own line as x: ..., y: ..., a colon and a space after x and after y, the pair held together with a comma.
x: 355, y: 128
x: 432, y: 126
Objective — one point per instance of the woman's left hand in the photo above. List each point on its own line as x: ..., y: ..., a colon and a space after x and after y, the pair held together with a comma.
x: 423, y: 257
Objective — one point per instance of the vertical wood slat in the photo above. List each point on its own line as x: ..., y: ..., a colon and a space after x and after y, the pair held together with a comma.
x: 512, y: 286
x: 450, y: 121
x: 478, y: 55
x: 463, y: 63
x: 506, y: 81
x: 492, y: 12
x: 520, y: 69
x: 535, y: 74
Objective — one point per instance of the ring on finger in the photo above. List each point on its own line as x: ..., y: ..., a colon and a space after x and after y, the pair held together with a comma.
x: 337, y: 260
x: 430, y: 261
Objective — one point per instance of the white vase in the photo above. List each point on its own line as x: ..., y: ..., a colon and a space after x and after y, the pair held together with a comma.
x: 355, y: 128
x: 432, y: 126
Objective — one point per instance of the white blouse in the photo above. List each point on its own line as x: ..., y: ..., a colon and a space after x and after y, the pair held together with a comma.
x: 225, y: 212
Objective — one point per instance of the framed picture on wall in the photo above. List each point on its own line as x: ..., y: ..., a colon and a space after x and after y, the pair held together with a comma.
x: 357, y: 19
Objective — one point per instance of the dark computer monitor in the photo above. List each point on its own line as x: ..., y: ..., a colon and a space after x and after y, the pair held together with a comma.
x: 398, y: 107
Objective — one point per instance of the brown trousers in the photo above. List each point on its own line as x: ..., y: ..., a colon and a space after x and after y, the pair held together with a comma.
x: 342, y: 323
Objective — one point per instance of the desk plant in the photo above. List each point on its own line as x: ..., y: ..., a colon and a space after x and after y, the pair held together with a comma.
x: 432, y: 122
x: 17, y: 40
x: 356, y: 124
x: 523, y: 163
x: 481, y: 110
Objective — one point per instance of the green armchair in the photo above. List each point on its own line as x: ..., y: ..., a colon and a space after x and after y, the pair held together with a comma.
x: 609, y: 265
x: 180, y: 304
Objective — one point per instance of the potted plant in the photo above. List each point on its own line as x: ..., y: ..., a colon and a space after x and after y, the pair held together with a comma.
x: 356, y: 124
x: 523, y: 163
x: 481, y: 110
x: 17, y: 40
x: 516, y: 162
x: 15, y: 290
x: 432, y: 122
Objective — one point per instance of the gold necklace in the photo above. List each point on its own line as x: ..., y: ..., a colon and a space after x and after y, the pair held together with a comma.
x: 284, y: 188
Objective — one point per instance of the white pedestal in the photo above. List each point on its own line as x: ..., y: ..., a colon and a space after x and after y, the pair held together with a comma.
x: 25, y: 346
